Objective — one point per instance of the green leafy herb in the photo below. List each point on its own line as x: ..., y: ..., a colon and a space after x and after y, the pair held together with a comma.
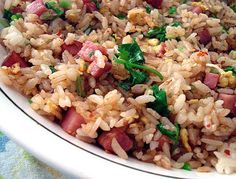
x: 231, y: 68
x: 136, y: 77
x: 176, y: 24
x: 158, y: 32
x: 30, y: 101
x: 131, y: 53
x: 131, y: 56
x: 52, y: 68
x: 97, y: 4
x: 172, y: 134
x: 234, y: 8
x: 55, y: 7
x: 187, y: 166
x: 172, y: 10
x: 66, y: 4
x: 80, y: 86
x: 121, y: 16
x: 160, y: 104
x: 148, y: 8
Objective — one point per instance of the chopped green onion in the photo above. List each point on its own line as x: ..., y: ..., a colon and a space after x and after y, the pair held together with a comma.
x: 97, y: 4
x: 121, y: 16
x: 30, y: 101
x: 52, y: 68
x: 16, y: 17
x: 66, y: 4
x: 172, y: 10
x: 187, y: 166
x: 148, y: 8
x: 157, y: 32
x: 176, y: 24
x: 55, y: 7
x: 91, y: 53
x: 80, y: 86
x: 231, y: 68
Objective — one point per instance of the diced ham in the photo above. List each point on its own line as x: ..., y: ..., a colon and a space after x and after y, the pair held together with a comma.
x: 72, y: 121
x: 90, y: 5
x: 155, y: 3
x: 123, y: 139
x: 205, y: 36
x: 73, y: 49
x: 14, y: 58
x: 89, y: 48
x: 211, y: 80
x: 196, y: 9
x: 229, y: 102
x: 36, y: 7
x: 96, y: 71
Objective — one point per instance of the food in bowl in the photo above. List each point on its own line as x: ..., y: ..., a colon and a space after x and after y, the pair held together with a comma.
x: 150, y: 79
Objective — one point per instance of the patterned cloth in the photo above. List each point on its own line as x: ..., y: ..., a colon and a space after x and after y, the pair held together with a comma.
x: 18, y: 164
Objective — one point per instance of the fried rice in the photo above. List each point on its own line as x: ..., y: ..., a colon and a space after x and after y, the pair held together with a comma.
x: 153, y: 79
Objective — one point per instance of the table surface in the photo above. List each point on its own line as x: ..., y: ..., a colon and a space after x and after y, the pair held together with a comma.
x: 15, y: 162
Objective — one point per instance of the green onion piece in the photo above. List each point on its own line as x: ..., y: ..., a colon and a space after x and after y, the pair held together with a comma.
x: 30, y: 101
x: 52, y: 68
x: 16, y: 17
x: 172, y: 10
x: 54, y: 6
x: 187, y: 166
x: 121, y: 16
x: 80, y: 86
x: 148, y: 8
x: 231, y: 68
x: 157, y: 32
x: 91, y: 53
x: 97, y: 4
x: 66, y: 4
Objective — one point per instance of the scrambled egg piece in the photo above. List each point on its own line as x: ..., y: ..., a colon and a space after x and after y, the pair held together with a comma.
x: 227, y: 80
x: 184, y: 138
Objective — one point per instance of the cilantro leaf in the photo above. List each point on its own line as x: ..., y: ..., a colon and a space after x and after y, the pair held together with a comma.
x: 160, y: 104
x: 157, y: 32
x: 173, y: 135
x: 231, y: 68
x: 131, y: 52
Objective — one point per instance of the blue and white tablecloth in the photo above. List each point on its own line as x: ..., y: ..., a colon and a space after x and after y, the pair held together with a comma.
x: 16, y: 163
